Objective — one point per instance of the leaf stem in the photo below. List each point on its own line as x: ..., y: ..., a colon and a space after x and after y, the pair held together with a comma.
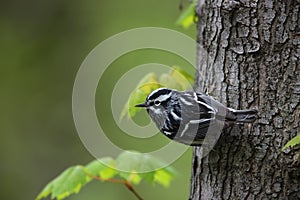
x: 129, y: 186
x: 119, y: 181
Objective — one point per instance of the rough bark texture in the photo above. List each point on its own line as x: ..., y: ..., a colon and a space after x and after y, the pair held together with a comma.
x: 252, y: 62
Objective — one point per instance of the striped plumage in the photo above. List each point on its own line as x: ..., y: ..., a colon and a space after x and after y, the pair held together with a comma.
x: 186, y: 117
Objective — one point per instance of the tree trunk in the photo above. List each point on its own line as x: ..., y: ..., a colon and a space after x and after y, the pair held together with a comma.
x: 252, y: 61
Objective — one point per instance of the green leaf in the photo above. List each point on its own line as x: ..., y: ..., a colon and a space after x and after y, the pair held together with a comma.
x: 68, y: 182
x: 134, y: 177
x: 182, y: 78
x: 105, y: 168
x: 163, y: 177
x: 185, y: 74
x: 177, y: 78
x: 128, y: 163
x: 168, y: 81
x: 294, y: 141
x: 45, y: 192
x: 186, y: 19
x: 144, y: 87
x: 131, y: 162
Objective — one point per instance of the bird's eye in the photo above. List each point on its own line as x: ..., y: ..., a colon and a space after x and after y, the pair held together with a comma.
x: 156, y: 102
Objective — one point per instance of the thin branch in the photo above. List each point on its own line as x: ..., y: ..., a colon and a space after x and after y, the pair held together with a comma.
x: 119, y: 181
x: 129, y: 186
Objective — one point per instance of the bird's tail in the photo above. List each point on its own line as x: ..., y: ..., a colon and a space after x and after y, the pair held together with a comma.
x: 245, y: 116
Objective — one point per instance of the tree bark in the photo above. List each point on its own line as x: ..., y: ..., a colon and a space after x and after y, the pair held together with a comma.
x: 252, y: 61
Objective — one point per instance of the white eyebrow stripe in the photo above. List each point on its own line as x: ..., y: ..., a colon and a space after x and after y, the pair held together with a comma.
x: 155, y: 92
x: 164, y: 97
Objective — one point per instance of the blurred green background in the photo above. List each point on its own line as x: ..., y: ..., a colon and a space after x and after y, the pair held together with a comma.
x: 42, y: 45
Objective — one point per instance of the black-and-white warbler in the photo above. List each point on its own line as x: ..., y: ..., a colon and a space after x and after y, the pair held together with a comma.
x: 187, y: 116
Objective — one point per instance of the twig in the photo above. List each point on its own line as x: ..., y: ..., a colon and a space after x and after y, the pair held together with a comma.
x: 129, y: 186
x: 119, y: 181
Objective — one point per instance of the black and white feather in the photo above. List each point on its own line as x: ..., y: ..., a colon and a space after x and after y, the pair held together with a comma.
x: 186, y: 117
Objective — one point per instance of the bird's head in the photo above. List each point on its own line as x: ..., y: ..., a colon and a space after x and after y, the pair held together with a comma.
x: 157, y: 102
x: 157, y: 99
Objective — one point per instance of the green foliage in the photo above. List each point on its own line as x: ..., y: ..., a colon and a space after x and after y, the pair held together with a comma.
x: 163, y: 177
x: 187, y: 18
x: 293, y: 142
x: 68, y: 182
x: 72, y: 179
x: 105, y: 168
x: 176, y: 78
x: 148, y: 83
x: 131, y: 162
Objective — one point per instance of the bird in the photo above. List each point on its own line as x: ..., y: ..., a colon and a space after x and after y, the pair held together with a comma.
x: 188, y: 116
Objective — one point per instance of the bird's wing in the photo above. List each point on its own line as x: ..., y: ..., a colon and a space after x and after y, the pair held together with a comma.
x: 195, y: 112
x: 195, y: 107
x: 222, y: 113
x: 198, y: 115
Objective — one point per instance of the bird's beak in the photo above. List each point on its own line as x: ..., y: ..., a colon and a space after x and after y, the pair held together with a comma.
x: 141, y: 105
